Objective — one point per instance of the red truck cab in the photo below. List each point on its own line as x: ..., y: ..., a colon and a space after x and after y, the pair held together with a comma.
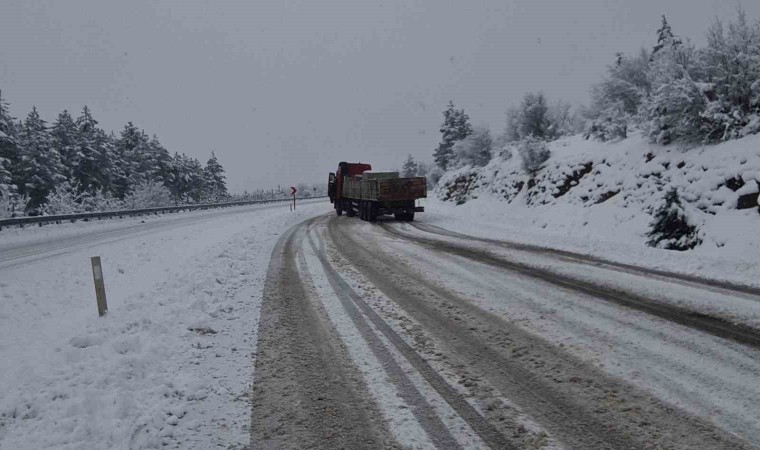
x: 335, y: 184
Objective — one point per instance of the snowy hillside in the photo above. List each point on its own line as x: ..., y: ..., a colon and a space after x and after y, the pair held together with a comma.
x: 609, y: 191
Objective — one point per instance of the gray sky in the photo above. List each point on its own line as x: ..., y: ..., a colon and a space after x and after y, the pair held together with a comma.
x: 284, y: 90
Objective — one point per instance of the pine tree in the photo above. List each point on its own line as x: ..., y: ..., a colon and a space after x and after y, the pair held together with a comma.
x: 64, y: 134
x: 670, y: 228
x: 9, y: 152
x: 456, y: 126
x: 410, y: 167
x: 673, y: 110
x: 159, y: 162
x: 196, y: 181
x: 216, y: 186
x: 665, y: 37
x: 41, y: 164
x: 92, y: 171
x: 136, y: 166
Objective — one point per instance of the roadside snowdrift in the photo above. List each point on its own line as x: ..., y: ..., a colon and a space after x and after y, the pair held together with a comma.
x: 598, y: 198
x: 609, y: 191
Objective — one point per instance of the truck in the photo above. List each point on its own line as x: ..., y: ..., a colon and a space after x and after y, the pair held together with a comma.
x: 355, y: 189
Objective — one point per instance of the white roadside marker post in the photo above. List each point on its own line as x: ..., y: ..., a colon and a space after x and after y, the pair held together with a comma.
x: 100, y: 287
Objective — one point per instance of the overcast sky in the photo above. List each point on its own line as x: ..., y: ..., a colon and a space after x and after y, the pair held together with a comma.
x: 284, y: 90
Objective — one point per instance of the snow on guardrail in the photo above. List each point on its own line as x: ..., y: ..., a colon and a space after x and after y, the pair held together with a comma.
x: 59, y: 218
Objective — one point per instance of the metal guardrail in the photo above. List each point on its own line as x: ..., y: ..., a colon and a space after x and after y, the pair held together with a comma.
x: 41, y: 220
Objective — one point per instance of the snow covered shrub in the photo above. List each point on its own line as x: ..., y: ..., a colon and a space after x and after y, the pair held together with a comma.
x: 101, y: 201
x: 459, y: 186
x: 475, y: 149
x: 66, y: 199
x: 434, y: 175
x: 148, y: 195
x: 670, y: 228
x: 533, y: 153
x: 610, y: 125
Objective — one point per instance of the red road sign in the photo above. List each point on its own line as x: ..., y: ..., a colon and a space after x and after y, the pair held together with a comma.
x: 294, y: 191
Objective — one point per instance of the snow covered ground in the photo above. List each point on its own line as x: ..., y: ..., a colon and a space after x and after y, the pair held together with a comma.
x: 597, y: 198
x: 171, y: 363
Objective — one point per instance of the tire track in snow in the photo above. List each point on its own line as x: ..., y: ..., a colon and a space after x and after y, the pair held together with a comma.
x: 352, y: 303
x: 751, y: 292
x: 580, y: 405
x: 682, y: 316
x: 306, y: 392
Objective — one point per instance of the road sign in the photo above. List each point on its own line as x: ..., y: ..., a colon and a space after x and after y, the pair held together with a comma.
x: 294, y: 190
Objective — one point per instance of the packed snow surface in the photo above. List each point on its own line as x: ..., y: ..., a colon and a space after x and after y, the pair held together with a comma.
x: 171, y: 363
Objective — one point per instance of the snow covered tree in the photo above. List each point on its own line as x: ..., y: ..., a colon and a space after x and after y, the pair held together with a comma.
x: 91, y: 171
x: 40, y: 164
x: 732, y: 63
x: 531, y: 118
x: 158, y: 162
x: 670, y: 229
x: 214, y: 179
x: 673, y: 111
x: 409, y: 169
x: 64, y: 134
x: 422, y: 168
x: 617, y: 99
x: 534, y: 153
x: 9, y: 152
x: 136, y: 165
x: 474, y: 150
x: 535, y: 117
x: 665, y: 38
x: 456, y: 126
x: 188, y: 179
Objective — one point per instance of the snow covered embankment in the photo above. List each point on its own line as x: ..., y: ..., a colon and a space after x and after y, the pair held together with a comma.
x: 169, y: 365
x: 598, y: 198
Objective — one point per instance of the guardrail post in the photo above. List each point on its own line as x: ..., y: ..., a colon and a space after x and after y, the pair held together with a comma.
x: 100, y: 287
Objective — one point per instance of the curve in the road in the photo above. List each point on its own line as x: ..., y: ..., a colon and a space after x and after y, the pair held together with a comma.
x: 689, y: 280
x: 702, y: 322
x: 563, y: 394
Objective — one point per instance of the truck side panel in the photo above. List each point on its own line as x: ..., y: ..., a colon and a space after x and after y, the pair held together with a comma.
x: 401, y: 189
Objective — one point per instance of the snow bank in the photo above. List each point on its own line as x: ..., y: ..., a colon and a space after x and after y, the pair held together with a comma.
x: 599, y: 198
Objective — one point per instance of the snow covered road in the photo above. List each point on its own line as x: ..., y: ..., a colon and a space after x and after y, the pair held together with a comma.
x: 359, y: 335
x: 460, y: 343
x: 170, y: 364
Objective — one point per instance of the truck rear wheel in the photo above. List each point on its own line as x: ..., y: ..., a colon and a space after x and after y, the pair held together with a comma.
x: 372, y: 211
x: 350, y: 211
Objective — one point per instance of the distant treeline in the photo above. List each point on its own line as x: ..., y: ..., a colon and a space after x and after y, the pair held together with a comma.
x: 73, y: 165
